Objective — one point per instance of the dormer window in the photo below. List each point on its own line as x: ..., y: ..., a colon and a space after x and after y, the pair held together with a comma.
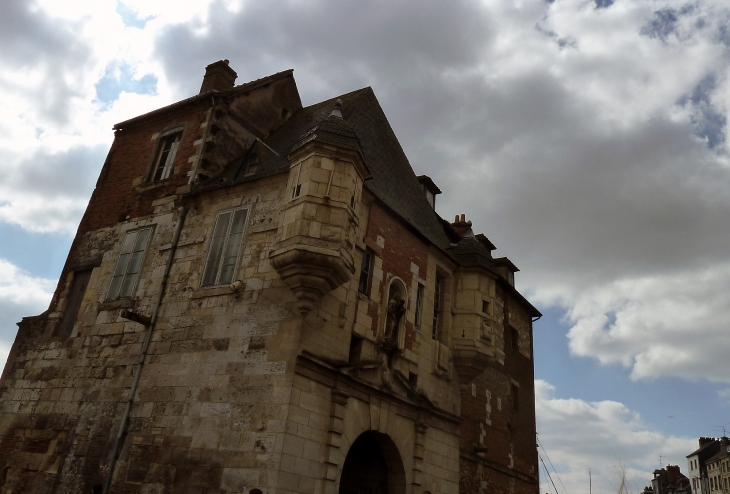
x: 166, y: 151
x: 430, y: 189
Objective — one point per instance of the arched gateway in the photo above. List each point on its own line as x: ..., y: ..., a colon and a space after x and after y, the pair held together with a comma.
x: 373, y: 466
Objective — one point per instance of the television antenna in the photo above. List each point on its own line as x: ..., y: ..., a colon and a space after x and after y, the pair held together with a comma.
x: 719, y: 428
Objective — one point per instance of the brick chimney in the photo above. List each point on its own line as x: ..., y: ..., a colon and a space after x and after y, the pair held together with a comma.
x: 462, y: 227
x: 706, y: 440
x: 218, y: 76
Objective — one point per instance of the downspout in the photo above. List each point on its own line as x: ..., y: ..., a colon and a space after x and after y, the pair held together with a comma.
x: 150, y: 324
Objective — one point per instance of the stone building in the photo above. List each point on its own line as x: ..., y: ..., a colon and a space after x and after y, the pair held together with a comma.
x: 260, y: 298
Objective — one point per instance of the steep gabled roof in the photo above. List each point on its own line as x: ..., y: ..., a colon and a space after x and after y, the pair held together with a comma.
x: 392, y: 179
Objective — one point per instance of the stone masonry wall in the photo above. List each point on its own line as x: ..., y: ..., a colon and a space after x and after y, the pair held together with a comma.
x: 497, y: 440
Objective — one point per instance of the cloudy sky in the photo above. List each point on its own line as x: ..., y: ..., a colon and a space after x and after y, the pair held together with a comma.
x: 585, y: 138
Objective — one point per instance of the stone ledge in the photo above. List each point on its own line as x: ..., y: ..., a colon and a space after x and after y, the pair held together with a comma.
x: 212, y: 291
x: 122, y: 303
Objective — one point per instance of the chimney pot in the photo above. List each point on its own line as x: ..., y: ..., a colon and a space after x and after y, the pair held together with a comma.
x: 218, y: 76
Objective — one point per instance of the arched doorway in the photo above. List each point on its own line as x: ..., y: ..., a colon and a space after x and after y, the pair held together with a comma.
x: 373, y: 466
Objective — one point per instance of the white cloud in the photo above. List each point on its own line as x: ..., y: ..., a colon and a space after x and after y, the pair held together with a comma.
x: 605, y: 437
x: 669, y: 324
x: 724, y: 393
x: 21, y: 295
x: 19, y: 288
x: 49, y: 96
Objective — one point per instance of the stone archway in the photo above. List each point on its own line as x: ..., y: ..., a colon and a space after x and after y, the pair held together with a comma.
x: 373, y: 466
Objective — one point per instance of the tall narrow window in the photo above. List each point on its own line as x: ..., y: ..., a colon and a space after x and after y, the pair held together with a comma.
x: 129, y: 263
x: 73, y: 303
x: 515, y: 390
x: 515, y: 337
x: 225, y: 247
x: 355, y: 350
x: 166, y: 151
x: 437, y: 303
x: 366, y: 272
x: 419, y: 306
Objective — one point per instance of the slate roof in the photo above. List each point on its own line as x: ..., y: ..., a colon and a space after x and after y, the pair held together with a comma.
x: 470, y: 252
x: 708, y: 446
x: 391, y: 180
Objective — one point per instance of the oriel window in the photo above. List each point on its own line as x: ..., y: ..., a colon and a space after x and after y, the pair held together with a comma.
x: 129, y: 264
x: 166, y: 150
x: 225, y: 247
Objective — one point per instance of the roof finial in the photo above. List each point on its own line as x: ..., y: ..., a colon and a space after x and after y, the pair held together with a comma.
x: 337, y: 112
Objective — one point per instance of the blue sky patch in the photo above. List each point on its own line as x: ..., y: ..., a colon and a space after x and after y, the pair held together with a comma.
x: 119, y: 78
x: 130, y: 18
x: 708, y: 121
x: 603, y: 4
x: 662, y: 24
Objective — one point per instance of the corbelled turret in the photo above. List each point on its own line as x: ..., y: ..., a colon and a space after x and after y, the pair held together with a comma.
x: 317, y: 230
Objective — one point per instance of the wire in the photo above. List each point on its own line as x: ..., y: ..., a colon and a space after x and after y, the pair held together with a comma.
x: 551, y: 464
x: 548, y: 473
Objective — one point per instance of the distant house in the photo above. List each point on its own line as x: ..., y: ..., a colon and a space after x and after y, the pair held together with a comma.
x: 670, y: 480
x: 718, y: 469
x: 697, y: 464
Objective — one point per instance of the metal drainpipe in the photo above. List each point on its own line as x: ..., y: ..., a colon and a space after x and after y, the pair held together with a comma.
x: 145, y: 347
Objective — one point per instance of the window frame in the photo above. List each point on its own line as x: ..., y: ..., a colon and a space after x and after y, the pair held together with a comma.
x: 134, y: 284
x: 224, y: 246
x: 420, y: 297
x: 157, y: 155
x: 514, y: 336
x: 368, y: 254
x: 515, y: 395
x: 438, y: 306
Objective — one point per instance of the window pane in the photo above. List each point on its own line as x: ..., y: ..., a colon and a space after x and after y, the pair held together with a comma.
x: 122, y: 262
x: 216, y: 248
x: 436, y: 308
x: 239, y: 221
x: 129, y: 241
x: 233, y: 246
x: 122, y: 265
x: 129, y: 263
x: 127, y: 285
x: 142, y: 237
x: 419, y: 305
x: 166, y: 156
x: 364, y: 281
x: 227, y: 270
x: 135, y: 262
x: 114, y: 287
